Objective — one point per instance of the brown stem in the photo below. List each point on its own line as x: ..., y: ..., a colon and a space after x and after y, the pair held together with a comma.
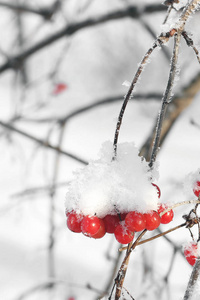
x: 166, y: 99
x: 157, y: 236
x: 129, y: 94
x: 190, y: 43
x: 122, y: 271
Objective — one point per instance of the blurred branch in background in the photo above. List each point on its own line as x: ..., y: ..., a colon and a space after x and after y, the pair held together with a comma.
x: 45, y: 12
x: 14, y: 62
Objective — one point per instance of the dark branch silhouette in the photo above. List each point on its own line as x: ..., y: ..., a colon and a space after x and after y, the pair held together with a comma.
x: 45, y: 12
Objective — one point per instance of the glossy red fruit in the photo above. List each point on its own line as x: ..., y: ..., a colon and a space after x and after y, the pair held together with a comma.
x: 196, y: 188
x: 74, y: 221
x: 158, y: 189
x: 152, y: 220
x: 168, y: 216
x: 135, y: 221
x: 90, y: 225
x: 101, y: 232
x: 122, y: 234
x: 190, y: 253
x: 111, y: 222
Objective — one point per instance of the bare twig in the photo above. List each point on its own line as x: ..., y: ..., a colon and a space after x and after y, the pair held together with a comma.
x: 190, y: 8
x: 123, y: 269
x: 130, y: 92
x: 190, y: 43
x: 166, y: 98
x: 156, y: 236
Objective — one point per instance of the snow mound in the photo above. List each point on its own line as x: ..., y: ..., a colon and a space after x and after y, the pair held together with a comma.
x: 107, y: 186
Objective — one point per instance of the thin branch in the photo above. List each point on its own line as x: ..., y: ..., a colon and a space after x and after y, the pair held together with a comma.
x: 162, y: 234
x: 166, y: 98
x: 156, y: 236
x: 190, y: 8
x: 130, y: 92
x: 165, y: 50
x: 193, y: 280
x: 124, y: 266
x: 43, y: 143
x: 190, y: 43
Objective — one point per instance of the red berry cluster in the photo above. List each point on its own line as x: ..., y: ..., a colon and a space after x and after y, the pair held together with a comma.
x: 123, y: 226
x: 190, y: 253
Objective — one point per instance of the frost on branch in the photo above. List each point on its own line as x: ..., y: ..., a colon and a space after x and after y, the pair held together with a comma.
x: 107, y: 187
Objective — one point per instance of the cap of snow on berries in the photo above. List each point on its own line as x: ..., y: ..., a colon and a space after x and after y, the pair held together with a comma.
x: 107, y: 186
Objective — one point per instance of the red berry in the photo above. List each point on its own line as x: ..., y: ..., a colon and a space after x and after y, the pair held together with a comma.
x: 90, y: 225
x: 122, y: 234
x: 135, y: 221
x: 59, y: 88
x: 190, y: 252
x: 101, y: 232
x: 168, y: 216
x: 111, y: 222
x: 74, y: 221
x: 158, y: 189
x: 152, y: 220
x: 196, y: 188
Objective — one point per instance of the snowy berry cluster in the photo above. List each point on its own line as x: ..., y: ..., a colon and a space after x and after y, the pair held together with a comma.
x: 122, y: 225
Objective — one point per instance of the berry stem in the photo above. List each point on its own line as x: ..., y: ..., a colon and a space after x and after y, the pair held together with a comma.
x: 119, y: 280
x: 156, y: 236
x: 180, y: 204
